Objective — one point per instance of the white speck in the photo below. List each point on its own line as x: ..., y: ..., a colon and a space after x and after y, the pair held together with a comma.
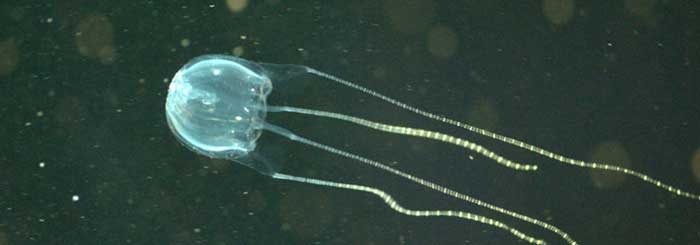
x: 212, y: 5
x: 42, y: 164
x: 244, y: 37
x: 238, y: 118
x: 216, y: 72
x: 28, y: 124
x: 197, y: 230
x: 75, y: 198
x: 49, y: 20
x: 471, y: 157
x: 39, y: 113
x: 300, y: 49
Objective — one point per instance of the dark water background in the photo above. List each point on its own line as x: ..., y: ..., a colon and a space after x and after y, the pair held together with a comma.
x: 87, y: 157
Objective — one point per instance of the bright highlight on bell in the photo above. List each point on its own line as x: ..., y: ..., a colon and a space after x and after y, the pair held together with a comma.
x: 217, y: 104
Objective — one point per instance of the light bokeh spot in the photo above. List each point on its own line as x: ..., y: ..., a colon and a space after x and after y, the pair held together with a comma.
x: 409, y: 16
x: 643, y: 10
x: 483, y: 113
x: 3, y: 237
x: 695, y: 164
x: 93, y: 38
x: 558, y: 12
x: 610, y: 153
x: 442, y: 42
x: 185, y: 42
x: 236, y: 6
x: 640, y: 7
x: 9, y: 57
x: 238, y: 51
